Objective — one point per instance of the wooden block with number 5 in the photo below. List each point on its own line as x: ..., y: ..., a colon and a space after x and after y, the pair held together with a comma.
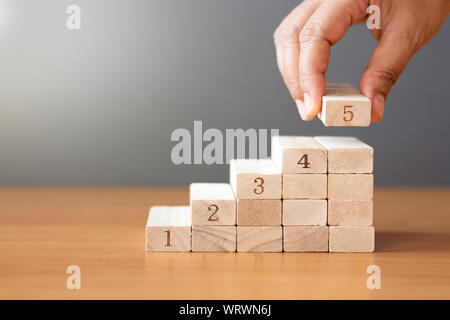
x: 299, y: 154
x: 169, y: 229
x: 212, y: 204
x: 344, y: 106
x: 255, y: 179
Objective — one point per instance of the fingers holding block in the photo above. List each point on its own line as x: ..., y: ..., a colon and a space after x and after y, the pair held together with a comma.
x: 214, y: 238
x: 350, y: 212
x: 212, y: 204
x: 305, y: 238
x: 350, y: 186
x: 299, y: 154
x: 251, y: 212
x: 347, y: 155
x: 255, y: 179
x: 305, y: 212
x: 259, y: 239
x: 344, y: 106
x: 352, y: 239
x: 169, y: 229
x: 304, y: 186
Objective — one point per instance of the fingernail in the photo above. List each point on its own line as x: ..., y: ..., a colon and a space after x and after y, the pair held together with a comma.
x: 301, y: 108
x: 308, y: 104
x: 378, y: 106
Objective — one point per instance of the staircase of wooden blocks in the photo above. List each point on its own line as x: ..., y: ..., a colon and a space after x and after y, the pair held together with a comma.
x: 314, y: 195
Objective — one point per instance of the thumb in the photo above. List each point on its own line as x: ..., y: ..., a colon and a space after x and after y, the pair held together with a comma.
x: 385, y: 66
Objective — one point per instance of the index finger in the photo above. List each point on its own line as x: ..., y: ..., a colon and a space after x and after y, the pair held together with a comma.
x: 325, y: 27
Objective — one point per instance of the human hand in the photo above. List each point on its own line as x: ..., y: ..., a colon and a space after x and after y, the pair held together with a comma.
x: 303, y: 42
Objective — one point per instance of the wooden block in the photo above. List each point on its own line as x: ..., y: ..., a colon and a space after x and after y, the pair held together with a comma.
x: 255, y: 179
x: 352, y: 239
x: 299, y: 155
x: 350, y: 213
x: 350, y: 186
x: 259, y: 239
x: 252, y: 212
x: 169, y: 229
x: 305, y: 212
x: 344, y: 106
x: 212, y: 204
x: 305, y: 238
x: 214, y: 238
x: 347, y: 155
x: 304, y: 186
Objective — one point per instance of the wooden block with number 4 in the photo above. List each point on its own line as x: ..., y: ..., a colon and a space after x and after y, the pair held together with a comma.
x: 299, y: 154
x: 169, y: 229
x: 344, y: 106
x: 212, y: 204
x: 255, y: 179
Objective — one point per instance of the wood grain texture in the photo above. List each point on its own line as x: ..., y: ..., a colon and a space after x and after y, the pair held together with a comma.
x: 255, y: 179
x: 214, y: 238
x: 169, y: 228
x: 305, y: 212
x: 352, y: 239
x: 44, y: 230
x: 350, y: 186
x: 305, y: 186
x: 212, y: 204
x: 299, y: 154
x: 305, y: 238
x: 350, y: 213
x: 259, y: 239
x: 344, y: 106
x: 266, y: 212
x: 347, y: 155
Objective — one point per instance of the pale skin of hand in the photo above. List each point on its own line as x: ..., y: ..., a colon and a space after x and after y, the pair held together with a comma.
x: 303, y: 43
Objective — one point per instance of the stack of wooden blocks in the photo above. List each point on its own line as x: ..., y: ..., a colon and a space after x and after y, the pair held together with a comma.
x: 314, y: 195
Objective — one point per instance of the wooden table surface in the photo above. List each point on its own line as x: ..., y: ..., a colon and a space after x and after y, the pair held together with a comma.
x: 42, y: 231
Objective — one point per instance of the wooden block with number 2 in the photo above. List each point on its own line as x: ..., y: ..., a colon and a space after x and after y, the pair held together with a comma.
x: 212, y: 204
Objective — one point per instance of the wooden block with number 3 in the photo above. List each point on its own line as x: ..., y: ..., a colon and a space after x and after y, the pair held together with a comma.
x: 344, y: 106
x: 169, y: 229
x: 255, y: 179
x: 212, y: 204
x: 299, y: 154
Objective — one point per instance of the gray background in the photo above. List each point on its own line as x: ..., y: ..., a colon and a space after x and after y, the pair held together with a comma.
x: 97, y: 106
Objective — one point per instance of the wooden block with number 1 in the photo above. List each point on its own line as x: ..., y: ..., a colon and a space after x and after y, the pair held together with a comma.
x: 299, y: 154
x: 344, y: 106
x: 169, y: 229
x: 255, y: 179
x: 212, y: 204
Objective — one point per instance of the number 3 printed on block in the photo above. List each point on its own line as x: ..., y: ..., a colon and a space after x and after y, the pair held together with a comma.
x: 259, y: 186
